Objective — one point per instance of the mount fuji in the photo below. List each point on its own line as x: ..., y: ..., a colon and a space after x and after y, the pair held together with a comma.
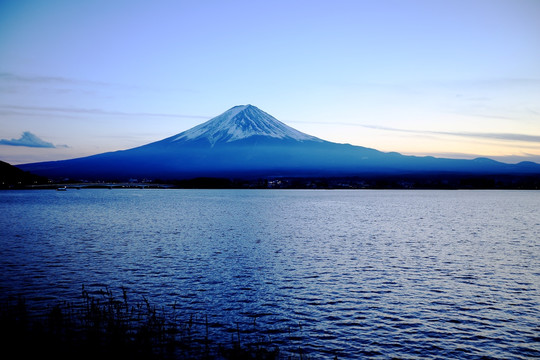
x: 247, y: 142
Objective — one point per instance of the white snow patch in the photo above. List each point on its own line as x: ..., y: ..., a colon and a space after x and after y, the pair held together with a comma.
x: 241, y: 122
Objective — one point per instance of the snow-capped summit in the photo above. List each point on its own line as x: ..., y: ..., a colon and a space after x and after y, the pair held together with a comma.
x: 241, y: 122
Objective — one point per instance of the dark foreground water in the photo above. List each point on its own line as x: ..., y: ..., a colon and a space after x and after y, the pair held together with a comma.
x: 357, y: 274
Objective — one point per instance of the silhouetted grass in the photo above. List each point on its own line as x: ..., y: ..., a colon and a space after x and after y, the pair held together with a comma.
x: 100, y: 326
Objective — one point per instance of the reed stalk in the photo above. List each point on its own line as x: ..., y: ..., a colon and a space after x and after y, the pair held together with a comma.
x: 101, y: 326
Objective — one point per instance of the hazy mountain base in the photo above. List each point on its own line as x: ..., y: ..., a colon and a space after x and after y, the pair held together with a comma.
x: 434, y: 182
x: 417, y: 181
x: 306, y: 165
x: 373, y: 181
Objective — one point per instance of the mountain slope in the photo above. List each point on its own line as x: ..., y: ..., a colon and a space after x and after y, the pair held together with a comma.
x: 11, y: 176
x: 245, y: 141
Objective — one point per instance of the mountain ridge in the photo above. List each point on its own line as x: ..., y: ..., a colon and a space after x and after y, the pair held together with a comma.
x: 245, y: 141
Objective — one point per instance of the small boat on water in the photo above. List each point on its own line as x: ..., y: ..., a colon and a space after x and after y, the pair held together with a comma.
x: 63, y: 188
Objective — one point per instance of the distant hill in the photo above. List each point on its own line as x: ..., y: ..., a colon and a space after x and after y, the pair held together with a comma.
x: 246, y: 142
x: 11, y: 176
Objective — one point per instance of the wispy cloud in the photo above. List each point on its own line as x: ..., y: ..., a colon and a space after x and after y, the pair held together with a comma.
x: 10, y: 81
x: 478, y: 135
x: 28, y: 139
x: 482, y: 135
x: 68, y: 110
x: 497, y: 82
x: 40, y: 79
x: 454, y: 85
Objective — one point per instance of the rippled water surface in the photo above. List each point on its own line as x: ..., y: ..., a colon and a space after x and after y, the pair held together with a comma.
x: 406, y: 274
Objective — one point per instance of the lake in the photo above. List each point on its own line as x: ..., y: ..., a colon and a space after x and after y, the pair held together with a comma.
x: 353, y: 274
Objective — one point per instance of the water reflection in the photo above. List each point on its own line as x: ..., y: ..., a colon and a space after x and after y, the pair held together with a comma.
x: 349, y: 273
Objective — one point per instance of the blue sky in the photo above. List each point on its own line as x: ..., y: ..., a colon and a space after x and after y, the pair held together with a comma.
x: 453, y: 78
